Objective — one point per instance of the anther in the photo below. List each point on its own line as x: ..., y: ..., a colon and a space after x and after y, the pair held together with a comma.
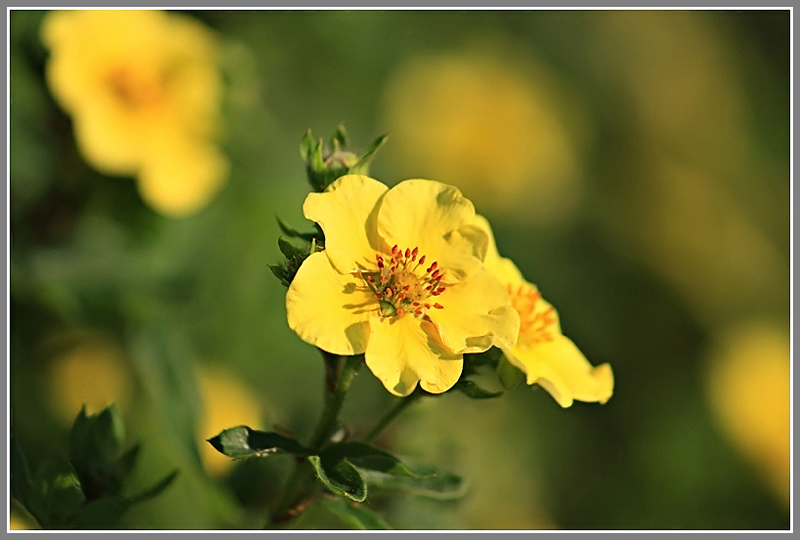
x: 388, y: 293
x: 400, y: 311
x: 371, y: 279
x: 421, y: 260
x: 414, y: 252
x: 418, y: 311
x: 437, y: 305
x: 415, y: 304
x: 379, y: 296
x: 407, y: 253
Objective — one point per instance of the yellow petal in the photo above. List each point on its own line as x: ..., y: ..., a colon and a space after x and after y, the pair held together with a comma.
x: 346, y: 211
x: 328, y: 309
x: 561, y: 369
x: 405, y: 350
x: 477, y: 314
x: 438, y: 220
x: 181, y: 175
x: 503, y: 269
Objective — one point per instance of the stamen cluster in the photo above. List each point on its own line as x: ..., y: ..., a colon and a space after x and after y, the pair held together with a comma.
x: 535, y: 324
x: 401, y: 286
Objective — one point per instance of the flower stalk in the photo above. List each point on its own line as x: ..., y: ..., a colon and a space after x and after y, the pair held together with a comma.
x: 399, y: 407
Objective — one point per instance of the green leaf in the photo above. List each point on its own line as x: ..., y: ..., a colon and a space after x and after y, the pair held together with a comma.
x: 290, y: 250
x: 508, y: 373
x: 430, y: 482
x: 241, y: 442
x: 154, y: 491
x: 362, y: 165
x: 472, y: 390
x: 365, y: 456
x: 56, y: 494
x: 127, y: 461
x: 357, y: 516
x: 288, y: 231
x: 21, y: 479
x: 102, y: 513
x: 340, y: 477
x: 93, y: 449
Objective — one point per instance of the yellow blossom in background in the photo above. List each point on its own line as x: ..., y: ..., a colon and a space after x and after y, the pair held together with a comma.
x: 401, y: 281
x: 749, y: 388
x: 542, y: 352
x: 144, y: 92
x: 227, y: 402
x: 497, y: 129
x: 90, y: 371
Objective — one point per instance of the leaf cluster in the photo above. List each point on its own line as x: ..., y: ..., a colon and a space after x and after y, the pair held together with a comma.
x: 82, y: 489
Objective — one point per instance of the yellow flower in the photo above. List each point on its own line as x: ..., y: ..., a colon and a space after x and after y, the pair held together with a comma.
x: 143, y: 89
x: 400, y: 280
x: 542, y: 352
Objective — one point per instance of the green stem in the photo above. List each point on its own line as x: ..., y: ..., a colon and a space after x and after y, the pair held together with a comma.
x: 389, y: 416
x: 337, y: 386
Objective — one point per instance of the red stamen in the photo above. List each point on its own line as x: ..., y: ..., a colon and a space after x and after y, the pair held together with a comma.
x: 418, y: 311
x: 414, y: 252
x: 400, y: 312
x: 416, y: 304
x: 437, y: 305
x: 379, y: 296
x: 371, y: 279
x: 388, y: 293
x: 407, y: 253
x: 421, y: 260
x: 406, y: 287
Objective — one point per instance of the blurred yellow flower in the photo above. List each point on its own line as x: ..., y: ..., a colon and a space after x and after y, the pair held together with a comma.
x: 90, y: 372
x: 227, y: 402
x: 144, y: 91
x: 498, y: 132
x: 401, y: 281
x: 749, y: 387
x: 542, y: 352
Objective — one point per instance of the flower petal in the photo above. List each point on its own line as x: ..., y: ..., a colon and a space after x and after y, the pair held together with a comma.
x: 405, y: 350
x: 346, y: 212
x: 180, y: 175
x: 477, y: 314
x: 503, y: 269
x: 328, y: 309
x: 561, y: 369
x: 438, y: 220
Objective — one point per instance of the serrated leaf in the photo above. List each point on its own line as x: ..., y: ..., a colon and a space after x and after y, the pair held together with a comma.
x: 241, y: 442
x: 430, y: 482
x: 356, y: 516
x: 362, y: 165
x: 154, y: 491
x: 472, y: 390
x: 93, y: 449
x: 508, y: 374
x: 340, y: 477
x: 21, y: 479
x: 56, y: 495
x: 365, y: 456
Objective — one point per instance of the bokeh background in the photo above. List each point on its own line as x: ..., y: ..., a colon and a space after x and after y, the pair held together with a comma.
x: 634, y: 164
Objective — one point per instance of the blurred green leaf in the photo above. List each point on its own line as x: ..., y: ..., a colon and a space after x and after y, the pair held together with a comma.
x: 102, y: 513
x: 340, y: 477
x: 508, y: 373
x: 472, y: 390
x: 290, y: 250
x: 241, y: 442
x: 288, y: 231
x: 21, y: 479
x: 56, y: 494
x: 357, y: 516
x: 365, y: 456
x: 156, y: 490
x: 430, y: 482
x: 93, y: 449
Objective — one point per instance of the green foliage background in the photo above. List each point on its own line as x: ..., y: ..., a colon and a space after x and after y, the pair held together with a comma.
x: 87, y: 254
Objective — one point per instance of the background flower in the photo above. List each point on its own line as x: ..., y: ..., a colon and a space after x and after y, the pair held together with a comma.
x: 144, y: 91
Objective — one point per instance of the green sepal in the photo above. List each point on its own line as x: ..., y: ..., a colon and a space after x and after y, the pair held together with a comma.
x: 357, y: 516
x: 56, y: 495
x: 508, y: 374
x: 362, y: 165
x: 340, y: 477
x: 367, y: 457
x: 241, y: 442
x: 429, y: 482
x: 472, y: 390
x: 339, y: 138
x: 289, y: 250
x: 307, y: 145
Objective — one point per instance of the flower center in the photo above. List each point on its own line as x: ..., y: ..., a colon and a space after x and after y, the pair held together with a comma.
x: 537, y: 320
x: 135, y: 90
x: 403, y: 284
